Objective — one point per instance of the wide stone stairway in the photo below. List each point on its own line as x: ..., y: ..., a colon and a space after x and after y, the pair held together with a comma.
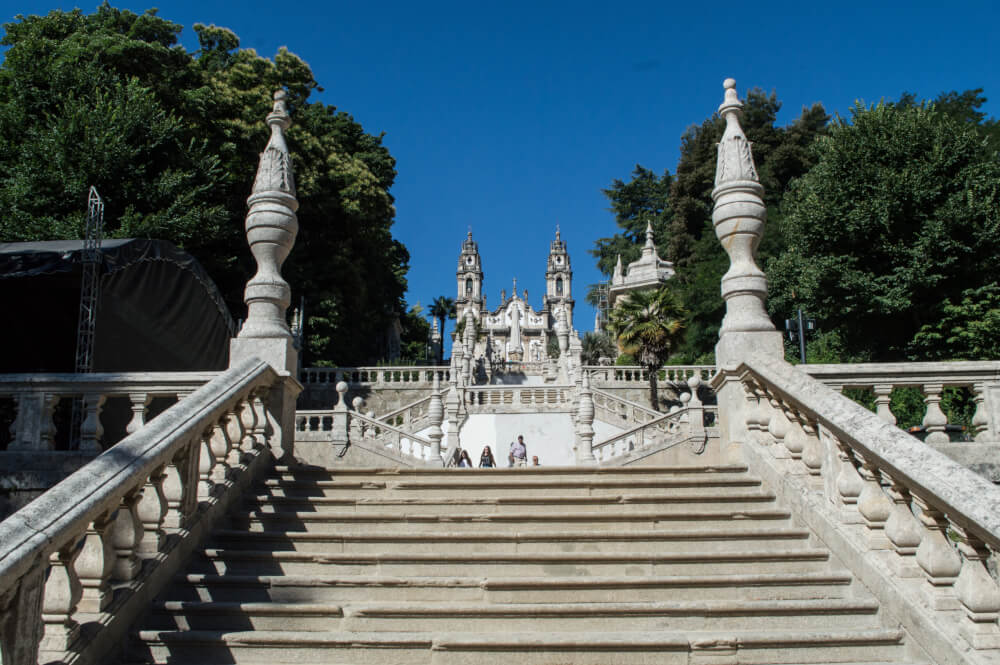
x: 556, y: 566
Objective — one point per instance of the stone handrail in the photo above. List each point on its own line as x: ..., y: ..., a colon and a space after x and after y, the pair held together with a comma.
x: 982, y: 377
x: 654, y: 431
x: 894, y: 498
x: 517, y: 399
x: 621, y: 412
x: 118, y: 528
x: 36, y: 397
x: 421, y: 376
x: 376, y: 433
x: 410, y: 417
x: 609, y: 376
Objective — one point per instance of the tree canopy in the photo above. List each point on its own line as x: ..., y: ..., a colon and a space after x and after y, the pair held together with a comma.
x: 171, y: 140
x: 886, y: 234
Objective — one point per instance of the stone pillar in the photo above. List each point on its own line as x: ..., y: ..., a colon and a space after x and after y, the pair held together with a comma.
x: 340, y: 436
x: 435, y: 414
x: 585, y: 424
x: 562, y: 336
x: 738, y: 216
x: 271, y: 227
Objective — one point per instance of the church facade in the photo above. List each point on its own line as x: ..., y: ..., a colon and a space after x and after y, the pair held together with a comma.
x: 514, y: 331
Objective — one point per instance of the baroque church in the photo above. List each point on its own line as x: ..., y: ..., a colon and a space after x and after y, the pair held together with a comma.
x: 514, y: 332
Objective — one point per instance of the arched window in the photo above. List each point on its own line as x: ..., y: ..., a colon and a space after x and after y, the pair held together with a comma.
x: 468, y: 287
x: 559, y: 286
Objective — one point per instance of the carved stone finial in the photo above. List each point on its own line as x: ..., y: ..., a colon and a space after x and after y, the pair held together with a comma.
x: 271, y: 227
x: 618, y: 275
x: 649, y: 235
x: 558, y: 235
x: 738, y: 216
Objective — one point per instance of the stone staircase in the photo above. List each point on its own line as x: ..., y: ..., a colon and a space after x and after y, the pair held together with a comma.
x: 555, y: 566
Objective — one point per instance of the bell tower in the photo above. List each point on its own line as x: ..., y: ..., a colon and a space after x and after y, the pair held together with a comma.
x: 470, y: 278
x: 559, y: 278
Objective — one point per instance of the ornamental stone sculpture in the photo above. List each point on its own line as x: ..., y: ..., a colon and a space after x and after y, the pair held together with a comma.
x: 271, y: 227
x: 738, y: 216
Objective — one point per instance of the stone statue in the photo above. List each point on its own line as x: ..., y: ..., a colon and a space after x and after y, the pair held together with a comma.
x: 514, y: 345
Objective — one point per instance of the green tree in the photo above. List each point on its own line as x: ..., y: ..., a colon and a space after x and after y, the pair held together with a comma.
x: 648, y: 325
x: 442, y: 308
x: 597, y: 345
x: 968, y: 329
x: 642, y: 200
x: 899, y: 216
x: 415, y: 336
x: 171, y: 140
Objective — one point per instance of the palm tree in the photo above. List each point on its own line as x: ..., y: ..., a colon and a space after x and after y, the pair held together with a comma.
x: 648, y: 324
x: 442, y: 308
x: 597, y: 345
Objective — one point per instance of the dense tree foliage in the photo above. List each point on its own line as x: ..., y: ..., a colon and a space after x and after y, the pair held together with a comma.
x: 887, y: 233
x: 171, y: 141
x: 597, y: 345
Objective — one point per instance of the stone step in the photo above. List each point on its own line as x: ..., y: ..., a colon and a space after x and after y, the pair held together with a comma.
x: 717, y: 615
x: 313, y: 588
x: 541, y: 519
x: 474, y: 484
x: 686, y: 539
x: 679, y: 500
x: 533, y: 648
x: 773, y: 560
x: 318, y: 473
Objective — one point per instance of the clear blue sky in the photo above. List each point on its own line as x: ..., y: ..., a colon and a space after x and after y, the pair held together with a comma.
x: 510, y: 117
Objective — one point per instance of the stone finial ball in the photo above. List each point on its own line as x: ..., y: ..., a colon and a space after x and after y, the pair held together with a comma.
x: 341, y: 387
x: 694, y: 382
x: 729, y: 84
x: 685, y: 398
x: 358, y: 403
x: 279, y: 94
x: 370, y: 414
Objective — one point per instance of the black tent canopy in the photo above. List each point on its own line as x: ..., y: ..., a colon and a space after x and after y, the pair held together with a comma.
x: 158, y: 309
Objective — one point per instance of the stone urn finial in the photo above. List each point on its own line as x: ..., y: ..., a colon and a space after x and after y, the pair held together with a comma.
x: 271, y: 227
x: 738, y: 216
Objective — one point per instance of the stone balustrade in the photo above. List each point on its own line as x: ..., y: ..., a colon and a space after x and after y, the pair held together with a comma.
x: 376, y: 433
x: 620, y: 412
x: 673, y: 425
x: 81, y: 562
x: 919, y: 528
x: 37, y: 396
x: 411, y: 417
x: 622, y: 376
x: 981, y: 377
x: 382, y: 377
x: 518, y: 399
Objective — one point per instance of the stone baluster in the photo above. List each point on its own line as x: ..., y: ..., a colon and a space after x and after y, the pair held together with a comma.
x: 696, y: 408
x: 778, y: 427
x: 936, y: 557
x: 236, y: 434
x: 151, y: 509
x: 883, y: 398
x: 33, y: 427
x: 93, y: 565
x: 21, y: 618
x: 934, y: 419
x: 753, y: 409
x: 173, y: 490
x: 812, y: 451
x: 849, y: 483
x: 91, y: 429
x: 585, y: 423
x: 977, y: 592
x: 981, y: 417
x: 59, y: 603
x: 126, y: 534
x: 220, y: 445
x: 435, y: 415
x: 262, y: 427
x: 139, y: 403
x: 795, y: 440
x: 873, y: 504
x: 206, y: 466
x: 248, y: 418
x: 902, y: 529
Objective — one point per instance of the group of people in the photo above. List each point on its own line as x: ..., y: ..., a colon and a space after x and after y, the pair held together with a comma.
x: 518, y: 457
